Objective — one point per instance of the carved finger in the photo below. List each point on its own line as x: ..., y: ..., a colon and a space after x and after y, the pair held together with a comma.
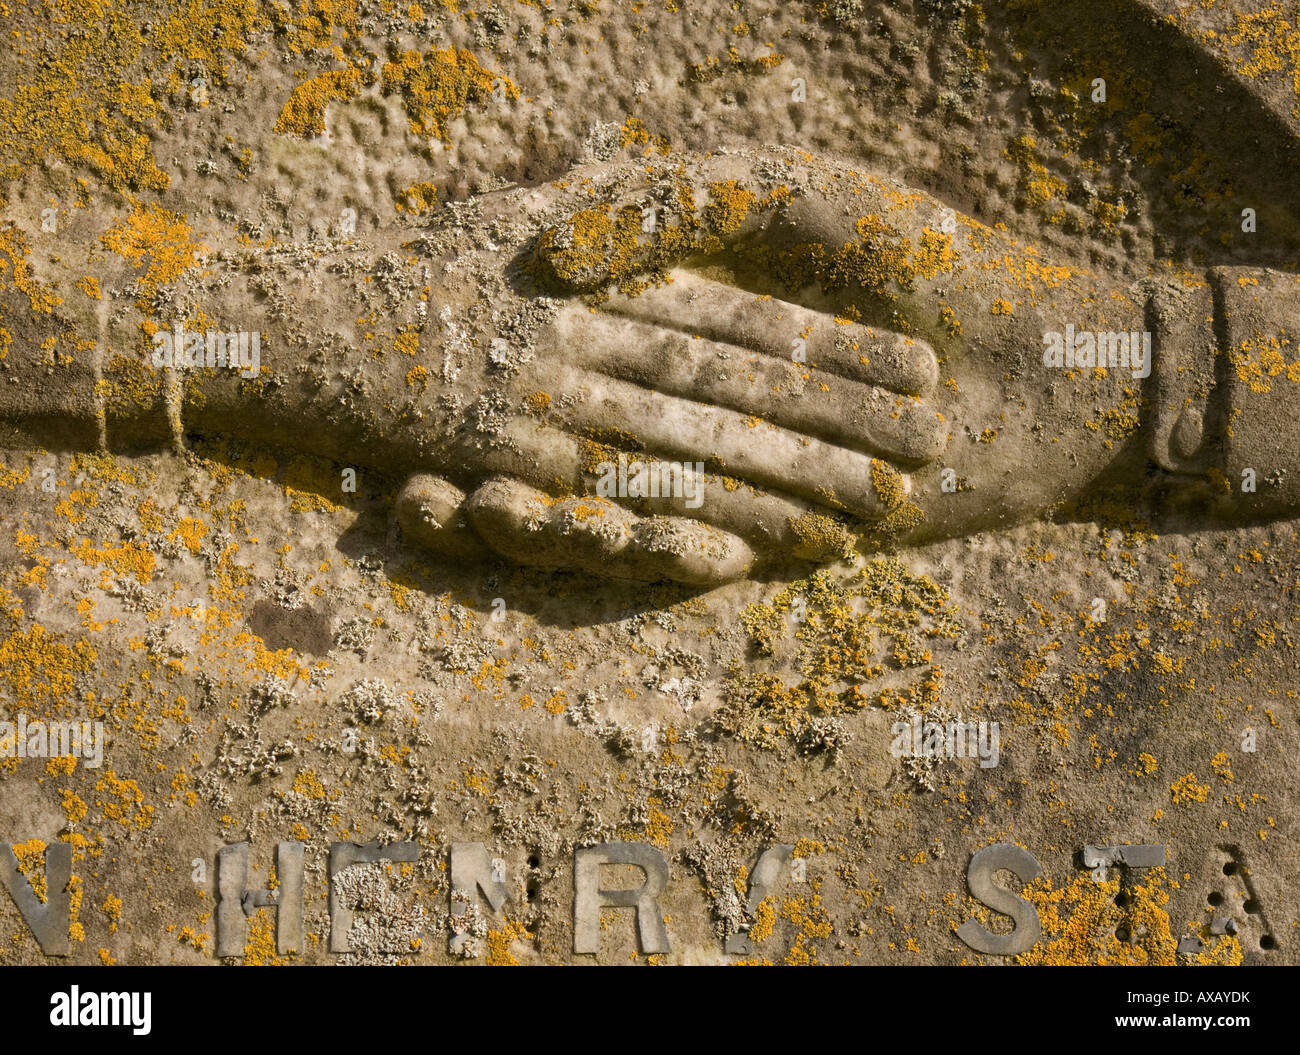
x: 789, y: 332
x: 734, y: 443
x: 601, y: 537
x: 430, y: 512
x: 844, y: 412
x: 771, y: 522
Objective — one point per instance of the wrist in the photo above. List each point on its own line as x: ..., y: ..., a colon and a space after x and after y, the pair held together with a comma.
x: 1258, y: 381
x: 1181, y: 316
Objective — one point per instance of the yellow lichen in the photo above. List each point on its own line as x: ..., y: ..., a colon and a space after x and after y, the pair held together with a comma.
x: 437, y: 86
x: 303, y: 114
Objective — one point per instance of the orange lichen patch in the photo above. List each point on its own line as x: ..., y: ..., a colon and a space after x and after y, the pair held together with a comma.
x: 310, y: 27
x: 839, y: 651
x: 603, y: 244
x: 303, y: 113
x: 74, y: 507
x: 149, y: 516
x: 62, y: 765
x: 123, y: 801
x: 1186, y: 790
x: 500, y: 940
x: 74, y: 808
x: 131, y: 387
x: 591, y: 228
x: 764, y: 920
x: 76, y: 891
x: 15, y: 273
x: 260, y: 659
x: 112, y: 909
x: 883, y: 260
x: 407, y: 341
x: 538, y: 402
x: 179, y: 786
x: 189, y: 532
x: 417, y: 199
x: 934, y: 256
x: 1219, y: 763
x: 1082, y: 924
x: 437, y: 86
x: 713, y: 67
x: 308, y: 480
x: 1262, y: 358
x: 761, y: 709
x: 1272, y: 45
x: 635, y: 133
x: 729, y: 204
x: 11, y: 605
x: 595, y: 509
x: 308, y: 785
x: 155, y: 240
x: 814, y: 923
x: 89, y: 285
x: 475, y: 781
x: 887, y: 483
x: 658, y: 828
x: 1121, y: 421
x: 82, y: 97
x: 11, y: 478
x: 260, y: 945
x: 1037, y: 186
x: 417, y: 378
x: 130, y: 558
x: 401, y: 595
x: 592, y: 246
x: 822, y: 537
x: 31, y: 863
x: 40, y: 668
x: 189, y: 936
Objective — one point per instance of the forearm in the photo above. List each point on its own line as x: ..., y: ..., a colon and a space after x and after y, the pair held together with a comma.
x: 316, y: 366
